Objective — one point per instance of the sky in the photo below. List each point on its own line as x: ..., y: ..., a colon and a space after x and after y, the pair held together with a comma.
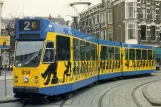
x: 20, y: 8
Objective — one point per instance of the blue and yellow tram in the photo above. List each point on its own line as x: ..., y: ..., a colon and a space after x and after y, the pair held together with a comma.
x: 52, y: 59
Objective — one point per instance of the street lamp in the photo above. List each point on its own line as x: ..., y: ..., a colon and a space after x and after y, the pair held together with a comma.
x: 1, y: 4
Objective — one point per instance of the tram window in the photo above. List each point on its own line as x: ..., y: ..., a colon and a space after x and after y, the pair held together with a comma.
x: 49, y: 45
x: 63, y: 47
x: 93, y: 52
x: 150, y: 54
x: 144, y: 54
x: 103, y: 52
x: 138, y: 54
x: 82, y: 50
x: 49, y: 53
x: 153, y: 55
x: 126, y: 54
x: 117, y: 53
x: 111, y: 53
x: 132, y: 54
x: 88, y: 51
x: 76, y: 49
x: 96, y: 56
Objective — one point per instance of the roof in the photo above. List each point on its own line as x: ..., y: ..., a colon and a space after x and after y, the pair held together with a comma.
x: 110, y: 43
x: 137, y: 46
x: 57, y: 20
x: 48, y: 26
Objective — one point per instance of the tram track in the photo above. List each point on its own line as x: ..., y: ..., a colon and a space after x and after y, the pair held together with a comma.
x: 133, y: 93
x: 133, y: 96
x: 84, y: 92
x: 102, y: 96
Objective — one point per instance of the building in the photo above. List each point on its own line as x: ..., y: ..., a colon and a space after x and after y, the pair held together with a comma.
x: 1, y: 4
x: 109, y: 20
x: 57, y: 20
x: 137, y: 21
x: 89, y: 21
x: 97, y: 20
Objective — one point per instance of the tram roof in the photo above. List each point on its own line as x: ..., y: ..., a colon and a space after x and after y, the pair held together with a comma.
x: 110, y: 43
x: 48, y: 26
x: 139, y: 46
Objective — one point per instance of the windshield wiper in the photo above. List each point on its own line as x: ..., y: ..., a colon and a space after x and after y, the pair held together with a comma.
x: 26, y: 61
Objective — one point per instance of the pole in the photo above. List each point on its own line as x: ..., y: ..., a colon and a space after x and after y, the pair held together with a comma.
x: 5, y: 70
x: 5, y: 81
x: 1, y: 64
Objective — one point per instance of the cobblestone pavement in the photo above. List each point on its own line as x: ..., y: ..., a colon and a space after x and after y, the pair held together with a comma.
x: 111, y: 93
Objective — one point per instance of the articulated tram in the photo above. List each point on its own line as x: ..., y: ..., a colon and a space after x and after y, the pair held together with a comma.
x: 52, y: 59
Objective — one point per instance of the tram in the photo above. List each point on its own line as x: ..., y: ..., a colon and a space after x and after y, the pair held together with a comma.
x: 52, y: 59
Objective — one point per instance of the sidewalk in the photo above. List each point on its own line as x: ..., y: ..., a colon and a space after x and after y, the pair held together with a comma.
x: 152, y: 92
x: 8, y: 75
x: 8, y: 99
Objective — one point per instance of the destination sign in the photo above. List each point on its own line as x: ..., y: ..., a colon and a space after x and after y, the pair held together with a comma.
x: 29, y: 25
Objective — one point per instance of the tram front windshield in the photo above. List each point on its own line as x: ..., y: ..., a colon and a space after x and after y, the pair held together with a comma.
x: 28, y: 53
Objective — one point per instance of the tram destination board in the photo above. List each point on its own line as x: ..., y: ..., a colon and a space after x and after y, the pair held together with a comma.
x: 29, y: 25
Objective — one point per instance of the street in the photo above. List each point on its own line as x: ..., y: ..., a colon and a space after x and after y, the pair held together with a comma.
x: 113, y: 93
x: 9, y: 84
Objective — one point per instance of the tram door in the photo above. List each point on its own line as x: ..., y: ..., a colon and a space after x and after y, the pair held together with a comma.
x: 63, y: 53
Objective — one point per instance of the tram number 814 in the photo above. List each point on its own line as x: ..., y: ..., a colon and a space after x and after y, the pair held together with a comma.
x: 25, y: 72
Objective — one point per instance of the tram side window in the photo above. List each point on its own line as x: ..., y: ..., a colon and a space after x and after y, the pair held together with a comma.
x: 126, y: 54
x: 154, y: 55
x: 93, y: 52
x: 82, y: 50
x: 138, y: 54
x: 111, y: 52
x: 88, y: 51
x: 63, y: 47
x: 96, y: 56
x: 150, y: 55
x: 103, y: 52
x: 117, y: 53
x: 132, y: 54
x: 76, y: 49
x: 49, y: 53
x: 144, y: 54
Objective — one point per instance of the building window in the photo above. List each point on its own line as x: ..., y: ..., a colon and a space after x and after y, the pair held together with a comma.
x: 130, y: 10
x: 93, y: 22
x: 160, y: 12
x: 97, y: 19
x: 101, y: 17
x: 153, y: 13
x: 152, y: 32
x: 131, y: 31
x: 143, y: 32
x: 103, y: 35
x: 109, y: 2
x: 109, y: 16
x: 104, y: 18
x: 110, y: 34
x: 143, y: 11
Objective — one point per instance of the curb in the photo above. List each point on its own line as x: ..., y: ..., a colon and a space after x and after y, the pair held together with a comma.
x: 6, y: 79
x: 8, y: 100
x: 149, y: 98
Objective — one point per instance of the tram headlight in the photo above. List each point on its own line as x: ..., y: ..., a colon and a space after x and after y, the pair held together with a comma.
x: 25, y: 79
x: 36, y: 79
